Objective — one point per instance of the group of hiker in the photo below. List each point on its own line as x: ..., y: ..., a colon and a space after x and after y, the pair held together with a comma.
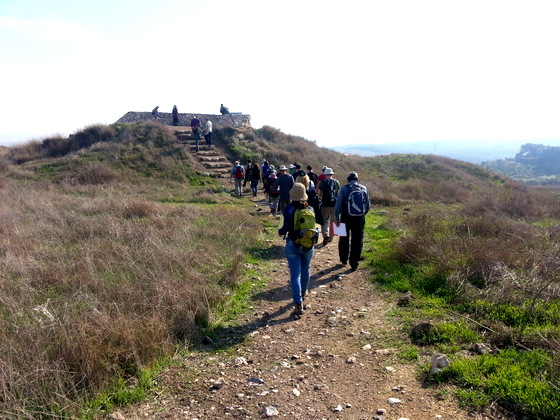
x: 305, y: 199
x: 196, y: 127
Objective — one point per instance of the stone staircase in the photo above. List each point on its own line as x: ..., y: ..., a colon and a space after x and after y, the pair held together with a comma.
x: 215, y: 163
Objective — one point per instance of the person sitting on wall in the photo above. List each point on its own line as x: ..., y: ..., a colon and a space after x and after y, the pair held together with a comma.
x: 224, y: 110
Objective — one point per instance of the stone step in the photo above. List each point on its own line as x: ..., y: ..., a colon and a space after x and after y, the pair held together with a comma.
x: 218, y: 165
x: 212, y: 158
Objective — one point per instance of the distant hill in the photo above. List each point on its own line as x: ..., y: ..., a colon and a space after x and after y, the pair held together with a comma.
x: 474, y: 151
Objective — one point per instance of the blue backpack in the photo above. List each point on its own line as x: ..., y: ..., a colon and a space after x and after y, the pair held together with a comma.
x: 357, y: 201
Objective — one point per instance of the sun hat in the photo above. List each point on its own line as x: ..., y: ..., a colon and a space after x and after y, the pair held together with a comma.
x: 352, y: 176
x: 236, y: 162
x: 329, y: 171
x: 272, y: 176
x: 282, y: 168
x: 291, y: 166
x: 297, y: 193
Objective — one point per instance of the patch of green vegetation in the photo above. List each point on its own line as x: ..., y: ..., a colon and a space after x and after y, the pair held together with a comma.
x: 449, y: 332
x: 409, y: 353
x: 52, y: 168
x: 517, y: 379
x: 125, y: 392
x: 542, y: 313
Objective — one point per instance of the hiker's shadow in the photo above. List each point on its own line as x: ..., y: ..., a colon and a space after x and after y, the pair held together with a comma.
x: 320, y: 278
x: 230, y: 336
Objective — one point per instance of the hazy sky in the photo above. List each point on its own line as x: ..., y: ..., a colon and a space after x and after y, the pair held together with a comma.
x: 344, y: 72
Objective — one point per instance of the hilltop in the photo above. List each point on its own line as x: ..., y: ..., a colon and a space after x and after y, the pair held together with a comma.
x: 123, y: 247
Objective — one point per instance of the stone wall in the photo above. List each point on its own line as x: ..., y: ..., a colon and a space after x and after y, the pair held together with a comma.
x: 218, y: 121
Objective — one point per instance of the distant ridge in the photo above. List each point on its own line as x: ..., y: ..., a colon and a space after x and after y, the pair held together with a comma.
x: 474, y: 151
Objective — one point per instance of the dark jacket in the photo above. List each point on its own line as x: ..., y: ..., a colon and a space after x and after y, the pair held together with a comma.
x: 286, y: 182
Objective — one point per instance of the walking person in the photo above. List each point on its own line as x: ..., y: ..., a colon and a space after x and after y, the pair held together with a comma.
x: 313, y: 177
x: 328, y: 193
x: 273, y: 193
x: 195, y: 128
x: 285, y: 183
x: 248, y: 173
x: 208, y: 132
x: 255, y: 178
x: 264, y: 173
x: 351, y: 208
x: 322, y: 176
x: 237, y: 175
x: 298, y: 219
x: 175, y: 115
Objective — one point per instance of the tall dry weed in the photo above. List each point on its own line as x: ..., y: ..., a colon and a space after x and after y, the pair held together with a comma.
x: 99, y: 284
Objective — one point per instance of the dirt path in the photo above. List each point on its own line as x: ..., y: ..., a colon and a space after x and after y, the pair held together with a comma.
x: 336, y: 362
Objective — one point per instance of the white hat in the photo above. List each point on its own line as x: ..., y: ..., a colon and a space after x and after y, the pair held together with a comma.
x: 291, y: 166
x: 282, y: 168
x: 329, y: 171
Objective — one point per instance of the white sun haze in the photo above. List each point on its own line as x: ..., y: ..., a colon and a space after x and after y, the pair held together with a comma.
x: 359, y: 72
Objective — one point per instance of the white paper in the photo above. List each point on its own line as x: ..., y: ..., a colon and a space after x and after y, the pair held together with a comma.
x: 339, y: 230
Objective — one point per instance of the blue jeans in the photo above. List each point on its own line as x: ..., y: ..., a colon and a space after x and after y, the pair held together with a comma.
x: 299, y: 261
x: 255, y: 186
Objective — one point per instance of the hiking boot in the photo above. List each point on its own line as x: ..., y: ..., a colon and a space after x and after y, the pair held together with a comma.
x: 326, y: 240
x: 298, y: 309
x: 353, y: 268
x: 343, y: 262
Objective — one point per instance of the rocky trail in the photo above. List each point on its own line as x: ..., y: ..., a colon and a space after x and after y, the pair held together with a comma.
x: 339, y: 361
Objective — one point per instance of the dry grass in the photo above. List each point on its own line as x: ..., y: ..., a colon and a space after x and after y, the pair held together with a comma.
x: 95, y: 285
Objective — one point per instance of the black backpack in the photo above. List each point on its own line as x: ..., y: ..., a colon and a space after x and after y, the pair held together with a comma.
x: 329, y: 194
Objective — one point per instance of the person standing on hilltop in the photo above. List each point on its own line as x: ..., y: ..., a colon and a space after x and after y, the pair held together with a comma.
x: 155, y: 112
x: 208, y: 132
x: 195, y: 128
x: 351, y: 208
x: 298, y: 220
x: 285, y: 183
x: 175, y: 115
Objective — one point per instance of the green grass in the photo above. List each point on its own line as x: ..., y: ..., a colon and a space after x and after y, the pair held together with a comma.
x: 520, y: 380
x: 523, y: 381
x: 125, y: 392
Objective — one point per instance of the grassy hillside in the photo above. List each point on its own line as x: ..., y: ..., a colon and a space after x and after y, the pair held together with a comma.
x: 117, y: 250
